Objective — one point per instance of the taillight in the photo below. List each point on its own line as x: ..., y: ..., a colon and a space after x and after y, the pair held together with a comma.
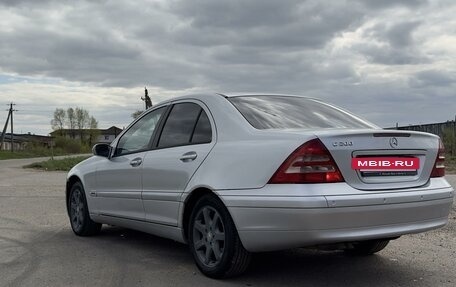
x: 439, y: 166
x: 310, y: 163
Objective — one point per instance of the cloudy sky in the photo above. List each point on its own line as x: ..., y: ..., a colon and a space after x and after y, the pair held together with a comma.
x: 386, y: 60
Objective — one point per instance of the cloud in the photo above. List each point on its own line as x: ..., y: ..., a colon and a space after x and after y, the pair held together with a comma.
x: 368, y: 56
x: 433, y: 78
x: 264, y: 24
x: 389, y: 3
x: 400, y: 35
x: 391, y: 44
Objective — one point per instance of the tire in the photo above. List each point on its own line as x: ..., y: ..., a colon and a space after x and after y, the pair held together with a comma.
x: 369, y: 247
x: 78, y: 212
x: 214, y: 241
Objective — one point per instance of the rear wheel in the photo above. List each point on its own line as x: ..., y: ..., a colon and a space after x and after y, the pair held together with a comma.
x: 214, y: 241
x: 367, y: 247
x: 80, y: 220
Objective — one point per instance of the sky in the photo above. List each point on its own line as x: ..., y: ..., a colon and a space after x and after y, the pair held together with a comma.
x: 389, y: 61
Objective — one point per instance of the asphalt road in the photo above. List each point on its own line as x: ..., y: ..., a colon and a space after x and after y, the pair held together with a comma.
x: 38, y: 248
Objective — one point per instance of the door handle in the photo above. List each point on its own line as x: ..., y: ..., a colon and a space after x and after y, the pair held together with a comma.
x: 136, y: 162
x: 189, y: 156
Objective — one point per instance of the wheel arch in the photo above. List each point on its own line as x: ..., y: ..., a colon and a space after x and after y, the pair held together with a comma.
x: 190, y: 201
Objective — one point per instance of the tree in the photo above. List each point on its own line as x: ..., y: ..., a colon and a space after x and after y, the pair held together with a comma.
x: 59, y: 120
x: 93, y: 132
x: 71, y: 121
x: 79, y: 121
x: 93, y: 123
x: 82, y: 121
x: 449, y: 140
x: 136, y: 114
x: 82, y: 118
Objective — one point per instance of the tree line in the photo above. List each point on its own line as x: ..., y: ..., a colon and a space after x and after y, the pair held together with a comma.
x: 77, y: 121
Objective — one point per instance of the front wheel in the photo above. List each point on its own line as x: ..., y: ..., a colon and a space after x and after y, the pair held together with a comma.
x: 80, y: 220
x: 214, y: 241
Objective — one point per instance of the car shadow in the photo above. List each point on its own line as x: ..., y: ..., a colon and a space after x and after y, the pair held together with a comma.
x: 296, y: 267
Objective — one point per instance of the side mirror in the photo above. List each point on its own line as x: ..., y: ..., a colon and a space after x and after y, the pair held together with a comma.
x: 101, y: 149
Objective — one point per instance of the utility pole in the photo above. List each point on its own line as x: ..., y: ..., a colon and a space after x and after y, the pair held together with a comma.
x: 10, y: 115
x: 146, y: 99
x: 12, y: 131
x: 4, y: 130
x: 453, y: 144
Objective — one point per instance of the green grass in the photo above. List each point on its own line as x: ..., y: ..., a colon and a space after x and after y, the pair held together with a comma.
x: 57, y: 164
x: 6, y: 154
x: 63, y: 146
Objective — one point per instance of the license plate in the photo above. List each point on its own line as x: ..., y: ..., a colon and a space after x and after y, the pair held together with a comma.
x: 386, y: 163
x: 389, y: 173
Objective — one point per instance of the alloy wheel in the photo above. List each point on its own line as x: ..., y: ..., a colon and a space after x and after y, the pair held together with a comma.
x: 77, y: 209
x: 209, y: 236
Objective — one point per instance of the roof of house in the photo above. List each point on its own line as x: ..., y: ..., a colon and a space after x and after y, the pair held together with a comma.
x: 109, y: 131
x: 26, y: 137
x: 112, y: 130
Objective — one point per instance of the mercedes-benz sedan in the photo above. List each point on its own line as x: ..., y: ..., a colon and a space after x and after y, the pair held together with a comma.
x: 233, y: 175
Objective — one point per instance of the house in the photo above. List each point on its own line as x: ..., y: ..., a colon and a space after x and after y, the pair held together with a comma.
x: 108, y: 135
x: 22, y: 141
x: 91, y: 135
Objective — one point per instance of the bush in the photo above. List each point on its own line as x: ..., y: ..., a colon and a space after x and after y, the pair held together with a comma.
x: 67, y: 145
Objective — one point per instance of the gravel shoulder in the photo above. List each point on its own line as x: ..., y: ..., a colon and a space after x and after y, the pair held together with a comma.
x: 38, y: 248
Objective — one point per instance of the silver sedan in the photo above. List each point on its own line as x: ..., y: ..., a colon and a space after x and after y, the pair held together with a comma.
x: 233, y: 175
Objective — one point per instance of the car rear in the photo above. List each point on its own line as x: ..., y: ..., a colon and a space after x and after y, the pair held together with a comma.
x: 346, y: 181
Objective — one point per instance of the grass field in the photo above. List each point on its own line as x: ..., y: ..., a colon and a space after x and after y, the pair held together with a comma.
x: 63, y: 146
x: 6, y: 154
x: 57, y: 164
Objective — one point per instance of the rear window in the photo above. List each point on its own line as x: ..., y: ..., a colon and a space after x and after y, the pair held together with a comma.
x: 278, y: 112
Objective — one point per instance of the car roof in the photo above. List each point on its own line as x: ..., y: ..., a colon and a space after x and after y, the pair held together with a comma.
x: 227, y: 95
x: 233, y: 95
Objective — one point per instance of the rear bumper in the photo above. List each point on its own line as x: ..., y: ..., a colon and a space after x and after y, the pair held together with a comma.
x: 275, y: 217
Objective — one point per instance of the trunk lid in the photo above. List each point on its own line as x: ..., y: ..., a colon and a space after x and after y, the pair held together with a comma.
x: 344, y: 145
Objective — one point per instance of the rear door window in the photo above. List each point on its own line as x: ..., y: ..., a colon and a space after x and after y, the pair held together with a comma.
x: 180, y: 125
x: 203, y: 131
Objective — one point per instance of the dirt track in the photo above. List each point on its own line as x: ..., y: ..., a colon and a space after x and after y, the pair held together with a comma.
x: 37, y: 248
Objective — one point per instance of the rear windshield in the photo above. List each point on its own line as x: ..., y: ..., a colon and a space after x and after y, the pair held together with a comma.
x: 279, y: 112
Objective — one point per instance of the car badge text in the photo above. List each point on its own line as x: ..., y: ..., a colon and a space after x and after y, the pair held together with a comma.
x: 342, y: 144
